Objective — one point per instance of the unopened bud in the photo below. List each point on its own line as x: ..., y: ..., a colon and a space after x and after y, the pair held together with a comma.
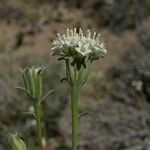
x: 16, y: 142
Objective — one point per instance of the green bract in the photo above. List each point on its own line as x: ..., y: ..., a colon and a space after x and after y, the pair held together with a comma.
x: 32, y: 80
x: 77, y: 74
x: 16, y: 142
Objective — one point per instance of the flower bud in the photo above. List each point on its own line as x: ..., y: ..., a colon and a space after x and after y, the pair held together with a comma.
x: 32, y: 80
x: 16, y: 142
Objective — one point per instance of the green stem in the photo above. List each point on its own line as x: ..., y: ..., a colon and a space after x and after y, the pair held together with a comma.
x: 74, y: 113
x: 37, y: 109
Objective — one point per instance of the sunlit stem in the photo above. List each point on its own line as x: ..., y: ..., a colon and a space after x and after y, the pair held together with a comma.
x: 75, y: 89
x: 37, y: 109
x: 76, y: 79
x: 74, y: 113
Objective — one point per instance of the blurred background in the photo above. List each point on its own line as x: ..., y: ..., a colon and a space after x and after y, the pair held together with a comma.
x: 118, y: 88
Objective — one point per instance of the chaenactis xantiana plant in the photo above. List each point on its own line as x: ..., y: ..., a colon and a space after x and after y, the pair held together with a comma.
x: 78, y: 50
x: 32, y: 78
x: 33, y: 86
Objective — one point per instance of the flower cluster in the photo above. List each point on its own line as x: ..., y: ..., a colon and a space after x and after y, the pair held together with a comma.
x: 79, y: 46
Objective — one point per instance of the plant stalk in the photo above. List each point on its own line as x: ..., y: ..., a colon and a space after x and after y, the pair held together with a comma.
x: 37, y: 109
x: 74, y: 113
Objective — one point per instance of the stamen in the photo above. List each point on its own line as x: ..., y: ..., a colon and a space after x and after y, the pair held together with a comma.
x: 88, y: 34
x: 94, y: 35
x: 80, y: 33
x: 71, y: 32
x: 75, y: 31
x: 58, y: 35
x: 98, y: 37
x: 67, y: 33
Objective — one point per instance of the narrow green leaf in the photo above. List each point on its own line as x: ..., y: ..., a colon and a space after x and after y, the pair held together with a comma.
x: 28, y: 114
x: 49, y: 92
x: 23, y: 89
x: 63, y: 79
x: 92, y: 115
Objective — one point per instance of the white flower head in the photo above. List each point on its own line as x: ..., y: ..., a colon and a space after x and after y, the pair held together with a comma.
x: 78, y: 45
